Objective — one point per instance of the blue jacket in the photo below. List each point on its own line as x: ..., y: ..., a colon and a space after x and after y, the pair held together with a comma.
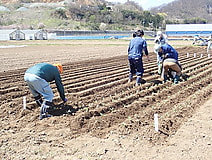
x: 168, y: 51
x: 136, y: 46
x: 49, y: 73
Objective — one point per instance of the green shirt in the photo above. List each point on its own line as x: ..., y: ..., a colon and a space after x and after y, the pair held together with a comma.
x: 48, y: 72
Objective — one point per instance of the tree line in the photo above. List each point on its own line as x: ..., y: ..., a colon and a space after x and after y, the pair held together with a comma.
x: 118, y: 17
x: 113, y: 18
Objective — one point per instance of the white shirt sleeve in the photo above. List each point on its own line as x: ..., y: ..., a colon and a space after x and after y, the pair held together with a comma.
x: 157, y: 40
x: 166, y: 38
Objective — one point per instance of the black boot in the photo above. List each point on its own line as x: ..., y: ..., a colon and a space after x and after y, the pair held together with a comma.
x: 38, y: 100
x: 45, y: 108
x: 176, y: 79
x: 165, y: 78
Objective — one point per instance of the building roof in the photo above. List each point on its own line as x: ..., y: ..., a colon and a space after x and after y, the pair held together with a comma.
x: 189, y: 27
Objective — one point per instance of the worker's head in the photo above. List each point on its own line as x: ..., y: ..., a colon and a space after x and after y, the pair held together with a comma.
x: 59, y: 67
x: 134, y: 34
x: 157, y: 48
x: 140, y: 33
x: 159, y: 34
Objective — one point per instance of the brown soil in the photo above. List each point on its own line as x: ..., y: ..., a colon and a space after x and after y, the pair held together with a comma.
x: 105, y: 117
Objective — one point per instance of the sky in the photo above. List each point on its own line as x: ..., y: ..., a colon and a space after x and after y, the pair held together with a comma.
x: 146, y: 4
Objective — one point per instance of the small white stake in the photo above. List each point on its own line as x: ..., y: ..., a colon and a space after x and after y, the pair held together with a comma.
x: 209, y: 55
x: 24, y: 102
x: 195, y: 55
x: 187, y: 54
x: 156, y: 122
x: 201, y: 55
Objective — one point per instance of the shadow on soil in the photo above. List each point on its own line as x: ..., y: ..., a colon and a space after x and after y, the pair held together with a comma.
x: 62, y: 109
x: 156, y: 81
x: 185, y: 77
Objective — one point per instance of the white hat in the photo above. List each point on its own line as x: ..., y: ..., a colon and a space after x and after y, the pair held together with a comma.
x: 159, y: 33
x: 157, y: 47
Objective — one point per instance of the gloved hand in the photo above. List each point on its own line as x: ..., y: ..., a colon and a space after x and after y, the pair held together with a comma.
x: 148, y: 57
x: 65, y: 100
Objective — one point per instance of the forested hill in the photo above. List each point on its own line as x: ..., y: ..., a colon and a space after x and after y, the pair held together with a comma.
x: 88, y: 2
x: 186, y: 10
x: 101, y: 14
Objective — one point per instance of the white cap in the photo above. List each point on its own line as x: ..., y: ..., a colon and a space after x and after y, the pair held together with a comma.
x: 157, y: 47
x: 159, y: 33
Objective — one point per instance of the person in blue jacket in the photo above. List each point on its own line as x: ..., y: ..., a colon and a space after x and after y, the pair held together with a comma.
x: 37, y: 78
x: 169, y: 59
x: 135, y: 53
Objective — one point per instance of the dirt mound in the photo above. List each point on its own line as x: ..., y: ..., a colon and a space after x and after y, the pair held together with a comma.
x: 102, y: 102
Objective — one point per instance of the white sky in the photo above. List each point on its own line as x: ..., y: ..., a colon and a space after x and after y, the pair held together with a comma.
x: 146, y: 4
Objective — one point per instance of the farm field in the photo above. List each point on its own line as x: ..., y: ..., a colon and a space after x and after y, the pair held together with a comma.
x: 105, y: 116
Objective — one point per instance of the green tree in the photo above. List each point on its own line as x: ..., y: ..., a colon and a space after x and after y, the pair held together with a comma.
x: 157, y: 20
x: 195, y: 21
x: 147, y: 18
x: 60, y: 13
x: 92, y: 18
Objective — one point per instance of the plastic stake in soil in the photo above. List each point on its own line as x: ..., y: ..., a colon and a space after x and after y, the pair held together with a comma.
x: 187, y: 54
x: 24, y: 102
x: 156, y: 122
x: 195, y: 55
x: 201, y: 55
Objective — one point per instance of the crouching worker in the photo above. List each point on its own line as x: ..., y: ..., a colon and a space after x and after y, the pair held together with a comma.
x: 37, y: 78
x: 169, y: 58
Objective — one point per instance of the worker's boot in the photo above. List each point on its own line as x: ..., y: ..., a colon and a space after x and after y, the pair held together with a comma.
x: 38, y: 100
x: 45, y: 108
x: 176, y: 79
x: 130, y: 78
x: 165, y: 78
x: 159, y: 68
x: 138, y: 81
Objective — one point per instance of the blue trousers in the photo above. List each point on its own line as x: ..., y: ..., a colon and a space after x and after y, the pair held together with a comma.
x: 136, y: 67
x: 39, y: 86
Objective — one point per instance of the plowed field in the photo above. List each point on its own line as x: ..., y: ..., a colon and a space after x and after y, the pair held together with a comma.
x: 101, y: 102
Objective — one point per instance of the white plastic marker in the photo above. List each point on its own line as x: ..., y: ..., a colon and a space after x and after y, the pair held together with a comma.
x: 156, y: 122
x: 209, y: 55
x: 24, y: 102
x: 187, y: 54
x: 201, y: 55
x: 195, y: 55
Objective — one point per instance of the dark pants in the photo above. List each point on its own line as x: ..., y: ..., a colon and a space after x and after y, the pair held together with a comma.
x: 136, y: 67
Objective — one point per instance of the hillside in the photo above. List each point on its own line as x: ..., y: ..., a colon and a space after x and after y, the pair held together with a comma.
x: 70, y: 15
x: 98, y: 14
x: 87, y: 2
x: 187, y: 9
